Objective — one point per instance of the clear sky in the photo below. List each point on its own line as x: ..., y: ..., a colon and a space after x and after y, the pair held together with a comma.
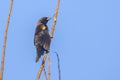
x: 87, y: 39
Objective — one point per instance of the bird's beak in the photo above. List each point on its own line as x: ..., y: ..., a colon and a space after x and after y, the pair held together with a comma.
x: 49, y: 19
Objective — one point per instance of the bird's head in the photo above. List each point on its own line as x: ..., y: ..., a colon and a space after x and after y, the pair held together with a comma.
x: 44, y: 20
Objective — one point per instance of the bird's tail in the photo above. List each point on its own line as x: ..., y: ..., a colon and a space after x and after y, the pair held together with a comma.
x: 40, y: 52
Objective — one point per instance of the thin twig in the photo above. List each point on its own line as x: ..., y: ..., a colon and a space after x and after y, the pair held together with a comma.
x: 48, y: 67
x: 58, y: 65
x: 42, y: 66
x: 45, y: 74
x: 5, y: 39
x: 52, y: 33
x: 55, y: 19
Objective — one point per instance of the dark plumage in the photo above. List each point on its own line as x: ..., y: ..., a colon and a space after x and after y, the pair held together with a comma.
x: 42, y: 38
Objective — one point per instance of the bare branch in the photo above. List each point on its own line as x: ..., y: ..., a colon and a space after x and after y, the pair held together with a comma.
x: 45, y: 74
x: 58, y: 65
x: 55, y: 19
x: 48, y: 67
x: 5, y: 39
x: 41, y: 67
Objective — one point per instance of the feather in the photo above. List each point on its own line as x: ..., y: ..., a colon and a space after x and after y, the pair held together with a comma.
x: 40, y: 52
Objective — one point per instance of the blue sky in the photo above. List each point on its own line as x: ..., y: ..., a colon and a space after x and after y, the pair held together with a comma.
x: 86, y: 39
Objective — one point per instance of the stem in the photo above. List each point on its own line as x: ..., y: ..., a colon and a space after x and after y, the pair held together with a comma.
x: 4, y: 43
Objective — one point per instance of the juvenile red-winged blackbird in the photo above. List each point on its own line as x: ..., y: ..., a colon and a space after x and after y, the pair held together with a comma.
x: 42, y: 37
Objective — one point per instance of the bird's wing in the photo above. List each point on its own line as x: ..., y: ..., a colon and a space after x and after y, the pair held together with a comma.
x: 42, y: 38
x: 37, y: 31
x: 47, y: 40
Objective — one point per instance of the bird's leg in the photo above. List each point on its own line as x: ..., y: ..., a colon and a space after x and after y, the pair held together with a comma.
x: 51, y: 37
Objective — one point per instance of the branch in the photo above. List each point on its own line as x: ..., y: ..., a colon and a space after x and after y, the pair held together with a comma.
x: 51, y: 35
x: 55, y: 19
x: 45, y: 74
x: 41, y: 67
x: 5, y: 39
x: 58, y: 65
x: 48, y: 67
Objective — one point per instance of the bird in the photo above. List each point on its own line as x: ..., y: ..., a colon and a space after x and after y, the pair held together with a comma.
x: 42, y: 37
